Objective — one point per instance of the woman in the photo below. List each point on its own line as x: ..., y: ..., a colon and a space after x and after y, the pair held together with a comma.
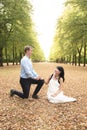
x: 55, y: 93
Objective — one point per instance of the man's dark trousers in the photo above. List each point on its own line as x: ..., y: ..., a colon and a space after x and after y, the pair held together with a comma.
x: 26, y: 83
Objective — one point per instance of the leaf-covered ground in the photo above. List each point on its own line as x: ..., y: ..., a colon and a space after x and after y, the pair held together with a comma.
x: 31, y: 114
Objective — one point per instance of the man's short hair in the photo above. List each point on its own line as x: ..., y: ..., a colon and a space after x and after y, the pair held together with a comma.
x: 27, y: 48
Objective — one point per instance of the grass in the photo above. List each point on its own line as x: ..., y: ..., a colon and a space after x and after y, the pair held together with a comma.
x: 30, y: 114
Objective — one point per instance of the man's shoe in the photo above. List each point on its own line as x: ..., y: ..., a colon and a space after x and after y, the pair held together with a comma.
x: 35, y: 96
x: 12, y: 92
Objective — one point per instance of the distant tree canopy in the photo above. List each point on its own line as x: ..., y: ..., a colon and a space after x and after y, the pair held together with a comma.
x: 16, y: 31
x: 70, y: 41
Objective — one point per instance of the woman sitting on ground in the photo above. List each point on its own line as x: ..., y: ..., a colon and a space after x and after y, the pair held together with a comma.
x: 55, y: 83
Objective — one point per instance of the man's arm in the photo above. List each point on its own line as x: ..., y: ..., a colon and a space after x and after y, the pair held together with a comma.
x: 34, y: 73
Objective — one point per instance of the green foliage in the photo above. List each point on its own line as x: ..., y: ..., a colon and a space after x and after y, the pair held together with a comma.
x: 16, y: 28
x: 71, y: 33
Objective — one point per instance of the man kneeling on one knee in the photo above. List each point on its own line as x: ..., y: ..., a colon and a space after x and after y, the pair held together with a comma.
x: 28, y: 76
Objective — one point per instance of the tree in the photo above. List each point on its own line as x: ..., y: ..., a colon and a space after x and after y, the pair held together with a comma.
x: 70, y: 32
x: 16, y: 28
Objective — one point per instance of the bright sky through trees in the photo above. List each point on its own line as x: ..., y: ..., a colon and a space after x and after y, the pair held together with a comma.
x: 45, y: 15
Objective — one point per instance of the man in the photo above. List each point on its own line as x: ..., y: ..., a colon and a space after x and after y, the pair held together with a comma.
x: 28, y: 76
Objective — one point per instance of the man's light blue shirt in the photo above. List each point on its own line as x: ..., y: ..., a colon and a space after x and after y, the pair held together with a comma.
x: 27, y: 70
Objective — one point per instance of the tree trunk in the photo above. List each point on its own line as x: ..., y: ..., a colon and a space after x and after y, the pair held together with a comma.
x: 75, y: 60
x: 16, y: 55
x: 79, y: 52
x: 6, y: 55
x: 84, y: 54
x: 13, y: 54
x: 20, y: 56
x: 79, y: 58
x: 16, y: 58
x: 1, y: 56
x: 70, y: 59
x: 67, y: 59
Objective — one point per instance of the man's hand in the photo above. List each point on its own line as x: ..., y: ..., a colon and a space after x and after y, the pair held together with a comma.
x: 38, y: 78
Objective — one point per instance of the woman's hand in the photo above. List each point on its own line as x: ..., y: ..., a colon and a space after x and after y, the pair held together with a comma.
x: 54, y: 95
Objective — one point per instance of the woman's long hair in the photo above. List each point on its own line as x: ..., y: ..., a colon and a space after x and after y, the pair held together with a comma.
x: 61, y: 75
